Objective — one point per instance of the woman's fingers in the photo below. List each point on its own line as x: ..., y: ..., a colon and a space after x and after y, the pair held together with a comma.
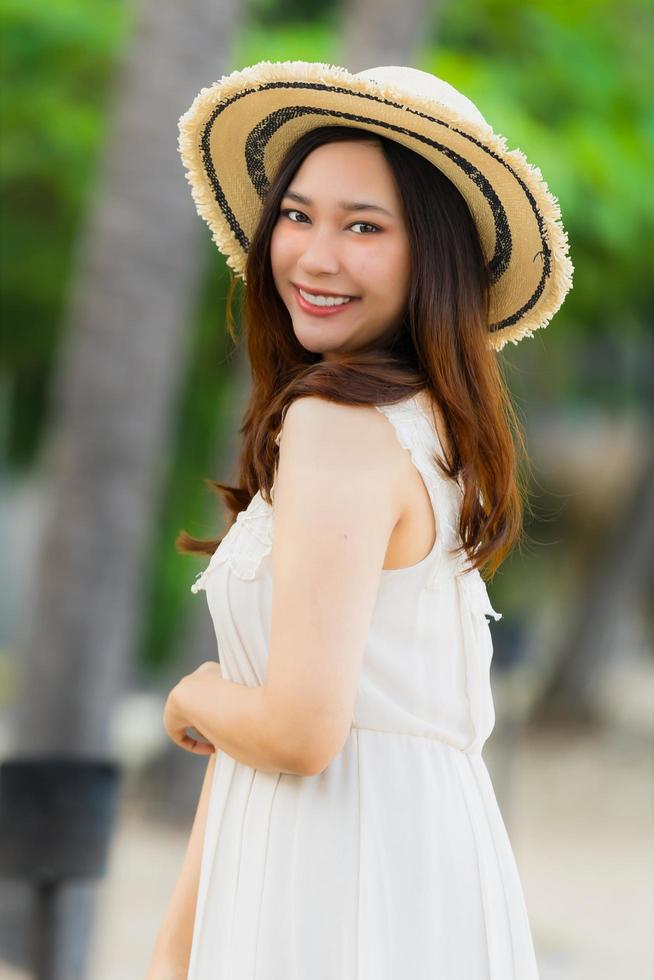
x: 198, y: 745
x: 177, y: 723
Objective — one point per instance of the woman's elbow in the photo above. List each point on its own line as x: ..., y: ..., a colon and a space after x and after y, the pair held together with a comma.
x: 305, y: 742
x: 314, y: 755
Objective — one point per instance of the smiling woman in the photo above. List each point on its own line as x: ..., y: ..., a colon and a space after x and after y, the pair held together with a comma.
x: 352, y: 829
x: 328, y: 253
x: 404, y: 327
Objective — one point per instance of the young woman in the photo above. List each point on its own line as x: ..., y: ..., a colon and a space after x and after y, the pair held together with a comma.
x: 390, y: 245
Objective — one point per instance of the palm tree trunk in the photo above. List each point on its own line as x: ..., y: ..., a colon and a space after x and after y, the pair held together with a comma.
x: 381, y: 32
x: 122, y: 359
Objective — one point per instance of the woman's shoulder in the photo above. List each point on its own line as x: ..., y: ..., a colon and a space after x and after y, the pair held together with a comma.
x: 318, y: 423
x: 323, y: 408
x: 352, y: 443
x: 316, y: 419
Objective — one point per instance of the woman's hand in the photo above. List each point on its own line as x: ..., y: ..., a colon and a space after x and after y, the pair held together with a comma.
x: 176, y: 721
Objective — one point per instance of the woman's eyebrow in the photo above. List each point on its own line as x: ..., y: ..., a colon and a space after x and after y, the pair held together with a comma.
x: 345, y: 205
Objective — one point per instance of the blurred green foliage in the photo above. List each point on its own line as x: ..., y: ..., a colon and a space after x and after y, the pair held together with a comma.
x: 273, y: 13
x: 569, y: 84
x: 58, y: 61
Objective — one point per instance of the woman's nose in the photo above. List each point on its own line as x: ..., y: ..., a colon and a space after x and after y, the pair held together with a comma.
x: 320, y: 253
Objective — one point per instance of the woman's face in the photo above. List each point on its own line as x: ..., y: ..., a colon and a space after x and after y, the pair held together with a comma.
x: 327, y: 242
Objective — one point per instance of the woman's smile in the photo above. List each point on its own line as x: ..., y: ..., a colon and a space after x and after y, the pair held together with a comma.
x: 334, y: 305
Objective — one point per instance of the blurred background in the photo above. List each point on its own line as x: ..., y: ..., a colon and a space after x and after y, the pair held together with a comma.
x: 120, y: 392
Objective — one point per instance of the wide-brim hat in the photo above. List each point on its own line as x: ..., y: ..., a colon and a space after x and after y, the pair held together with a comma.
x: 235, y: 134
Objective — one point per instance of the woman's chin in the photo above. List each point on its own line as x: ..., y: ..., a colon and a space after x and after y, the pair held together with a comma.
x: 317, y: 339
x: 314, y: 347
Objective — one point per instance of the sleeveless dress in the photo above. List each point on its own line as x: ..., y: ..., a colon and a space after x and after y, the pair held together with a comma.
x: 393, y: 863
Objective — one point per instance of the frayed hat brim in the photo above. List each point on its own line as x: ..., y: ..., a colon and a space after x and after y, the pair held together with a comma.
x: 518, y: 218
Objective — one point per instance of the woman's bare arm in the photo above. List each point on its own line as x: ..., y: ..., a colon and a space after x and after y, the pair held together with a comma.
x: 172, y: 949
x: 334, y: 462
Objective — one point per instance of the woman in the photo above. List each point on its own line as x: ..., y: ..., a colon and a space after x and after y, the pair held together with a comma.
x: 347, y: 826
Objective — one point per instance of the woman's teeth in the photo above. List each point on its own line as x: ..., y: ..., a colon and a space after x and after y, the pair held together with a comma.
x: 324, y: 300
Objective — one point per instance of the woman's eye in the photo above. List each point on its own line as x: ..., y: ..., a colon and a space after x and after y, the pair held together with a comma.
x: 289, y: 211
x: 366, y: 225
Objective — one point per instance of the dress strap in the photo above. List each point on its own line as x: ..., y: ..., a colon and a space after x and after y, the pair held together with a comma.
x: 417, y: 433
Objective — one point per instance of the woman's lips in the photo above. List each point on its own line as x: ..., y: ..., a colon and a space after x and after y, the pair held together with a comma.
x: 320, y: 310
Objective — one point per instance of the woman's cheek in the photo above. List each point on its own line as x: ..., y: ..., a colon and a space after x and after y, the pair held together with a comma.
x: 281, y: 249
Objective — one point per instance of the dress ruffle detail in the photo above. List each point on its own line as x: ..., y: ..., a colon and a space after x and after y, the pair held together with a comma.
x: 247, y: 542
x: 475, y: 605
x: 418, y: 441
x: 473, y: 588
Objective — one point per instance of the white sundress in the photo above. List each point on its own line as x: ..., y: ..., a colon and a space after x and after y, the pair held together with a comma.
x: 393, y: 863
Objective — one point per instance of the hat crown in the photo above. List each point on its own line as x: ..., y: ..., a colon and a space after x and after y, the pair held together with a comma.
x: 414, y: 82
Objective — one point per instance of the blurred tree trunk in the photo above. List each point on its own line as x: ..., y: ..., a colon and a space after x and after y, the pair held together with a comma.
x: 122, y: 359
x: 620, y: 574
x: 379, y: 32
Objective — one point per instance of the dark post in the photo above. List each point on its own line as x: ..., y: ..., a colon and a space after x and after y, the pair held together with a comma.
x: 56, y: 819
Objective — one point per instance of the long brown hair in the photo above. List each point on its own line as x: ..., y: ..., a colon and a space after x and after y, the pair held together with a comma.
x: 441, y: 345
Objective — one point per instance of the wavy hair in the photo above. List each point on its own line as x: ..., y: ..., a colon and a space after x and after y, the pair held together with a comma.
x: 441, y: 345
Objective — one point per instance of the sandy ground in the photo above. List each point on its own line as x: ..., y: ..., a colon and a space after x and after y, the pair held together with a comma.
x: 579, y: 809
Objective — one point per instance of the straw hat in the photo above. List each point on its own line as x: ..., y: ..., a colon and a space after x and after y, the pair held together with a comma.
x: 236, y: 132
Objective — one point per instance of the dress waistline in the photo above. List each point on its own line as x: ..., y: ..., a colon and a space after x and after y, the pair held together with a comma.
x: 435, y: 738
